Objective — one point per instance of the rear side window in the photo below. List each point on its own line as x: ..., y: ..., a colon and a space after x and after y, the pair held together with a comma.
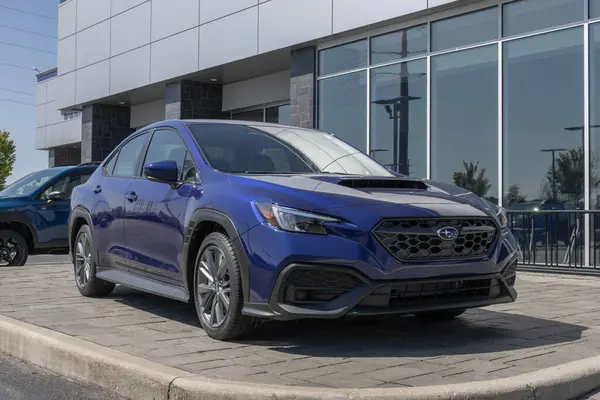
x: 110, y: 165
x: 127, y: 164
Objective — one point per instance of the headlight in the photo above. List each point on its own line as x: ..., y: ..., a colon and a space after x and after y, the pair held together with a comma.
x: 292, y: 220
x: 502, y: 217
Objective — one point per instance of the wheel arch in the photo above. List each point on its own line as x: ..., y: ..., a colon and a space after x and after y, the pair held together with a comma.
x: 79, y: 216
x: 23, y: 225
x: 201, y: 224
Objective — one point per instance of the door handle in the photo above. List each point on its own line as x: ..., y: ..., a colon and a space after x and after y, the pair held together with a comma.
x: 97, y: 189
x: 131, y: 196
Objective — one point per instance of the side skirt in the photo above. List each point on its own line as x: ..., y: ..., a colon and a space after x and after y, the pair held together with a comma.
x: 144, y: 284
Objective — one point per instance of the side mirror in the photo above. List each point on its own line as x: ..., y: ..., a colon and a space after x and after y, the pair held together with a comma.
x: 162, y: 171
x: 54, y: 196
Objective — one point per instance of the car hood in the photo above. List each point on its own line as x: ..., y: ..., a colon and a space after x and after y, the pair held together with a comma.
x: 8, y: 203
x: 327, y: 192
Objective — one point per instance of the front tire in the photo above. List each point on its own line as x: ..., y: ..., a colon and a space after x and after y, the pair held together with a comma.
x: 84, y: 264
x: 218, y: 290
x: 14, y: 250
x: 440, y: 315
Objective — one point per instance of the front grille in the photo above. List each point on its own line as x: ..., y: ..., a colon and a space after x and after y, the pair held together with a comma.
x: 417, y: 240
x: 418, y: 294
x: 314, y: 285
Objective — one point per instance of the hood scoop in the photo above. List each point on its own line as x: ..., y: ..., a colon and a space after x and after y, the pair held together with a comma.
x: 405, y: 184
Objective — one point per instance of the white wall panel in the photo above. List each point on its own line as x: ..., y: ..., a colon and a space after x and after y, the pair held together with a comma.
x: 51, y: 89
x: 130, y: 70
x: 54, y: 135
x: 130, y: 29
x: 93, y: 44
x: 40, y: 115
x: 90, y: 12
x: 67, y: 19
x: 66, y: 94
x: 40, y: 138
x: 257, y: 91
x: 435, y: 3
x: 283, y: 23
x: 71, y: 131
x: 67, y: 50
x: 118, y: 6
x: 92, y: 82
x: 40, y: 93
x: 53, y: 116
x: 228, y: 39
x: 170, y: 17
x: 147, y: 113
x: 213, y: 9
x: 350, y: 14
x: 174, y: 56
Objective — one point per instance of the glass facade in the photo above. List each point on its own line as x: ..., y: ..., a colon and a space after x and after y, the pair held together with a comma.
x: 276, y: 114
x: 493, y: 100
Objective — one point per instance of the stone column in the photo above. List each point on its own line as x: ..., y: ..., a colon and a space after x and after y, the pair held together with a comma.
x: 303, y: 87
x: 194, y: 100
x: 64, y: 156
x: 103, y: 128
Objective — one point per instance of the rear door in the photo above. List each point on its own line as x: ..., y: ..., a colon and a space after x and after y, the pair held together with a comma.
x: 108, y: 205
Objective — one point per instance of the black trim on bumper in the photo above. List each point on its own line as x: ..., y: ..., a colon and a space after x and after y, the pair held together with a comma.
x: 376, y: 297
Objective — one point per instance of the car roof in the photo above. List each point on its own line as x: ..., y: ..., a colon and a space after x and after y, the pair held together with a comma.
x: 231, y: 122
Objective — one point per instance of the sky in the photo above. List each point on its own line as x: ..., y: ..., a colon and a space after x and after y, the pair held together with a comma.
x: 25, y: 32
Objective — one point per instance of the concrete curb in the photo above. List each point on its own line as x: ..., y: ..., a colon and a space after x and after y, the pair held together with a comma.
x: 137, y: 378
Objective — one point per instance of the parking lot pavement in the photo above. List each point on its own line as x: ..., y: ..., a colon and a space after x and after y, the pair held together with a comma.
x: 555, y: 320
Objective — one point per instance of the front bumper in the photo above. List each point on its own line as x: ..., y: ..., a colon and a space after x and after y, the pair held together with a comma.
x: 317, y: 291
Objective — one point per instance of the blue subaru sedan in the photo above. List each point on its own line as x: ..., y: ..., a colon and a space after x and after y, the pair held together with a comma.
x: 254, y: 221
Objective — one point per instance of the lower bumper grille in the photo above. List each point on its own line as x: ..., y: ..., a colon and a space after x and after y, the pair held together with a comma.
x: 409, y: 295
x: 314, y: 285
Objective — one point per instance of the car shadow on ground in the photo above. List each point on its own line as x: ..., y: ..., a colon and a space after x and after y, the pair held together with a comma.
x: 478, y: 331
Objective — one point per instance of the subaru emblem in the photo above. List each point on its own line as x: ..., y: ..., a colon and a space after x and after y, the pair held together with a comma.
x: 448, y: 233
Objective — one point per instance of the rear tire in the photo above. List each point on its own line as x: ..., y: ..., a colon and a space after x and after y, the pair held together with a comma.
x: 14, y: 250
x: 440, y: 315
x: 218, y: 290
x: 84, y: 266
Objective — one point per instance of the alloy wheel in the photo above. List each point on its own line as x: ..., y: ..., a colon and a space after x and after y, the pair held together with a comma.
x: 83, y: 260
x: 214, y: 286
x: 9, y: 251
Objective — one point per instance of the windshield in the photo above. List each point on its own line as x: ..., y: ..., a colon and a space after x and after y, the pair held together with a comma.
x: 30, y: 183
x: 280, y: 150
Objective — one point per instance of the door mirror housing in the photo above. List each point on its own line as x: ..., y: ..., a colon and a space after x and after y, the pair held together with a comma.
x: 57, y: 195
x: 162, y: 171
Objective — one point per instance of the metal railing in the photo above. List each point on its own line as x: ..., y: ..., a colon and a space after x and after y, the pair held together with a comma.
x: 555, y: 240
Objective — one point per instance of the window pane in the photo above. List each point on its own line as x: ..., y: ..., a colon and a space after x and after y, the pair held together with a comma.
x: 254, y: 115
x: 343, y: 107
x: 343, y: 58
x: 475, y: 27
x: 110, y: 165
x: 278, y: 115
x: 531, y: 15
x: 166, y: 145
x: 595, y: 118
x: 464, y: 120
x: 594, y: 8
x: 399, y: 117
x: 129, y: 156
x: 543, y: 95
x: 398, y: 45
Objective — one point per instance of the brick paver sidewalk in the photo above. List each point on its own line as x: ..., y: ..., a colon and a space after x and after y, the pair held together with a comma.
x: 555, y: 320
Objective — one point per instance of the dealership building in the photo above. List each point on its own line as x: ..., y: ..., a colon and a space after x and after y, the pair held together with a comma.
x: 499, y: 96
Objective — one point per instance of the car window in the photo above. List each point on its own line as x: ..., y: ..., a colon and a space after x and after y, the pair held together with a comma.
x: 110, y: 165
x: 66, y: 184
x: 239, y: 149
x: 166, y: 145
x: 129, y: 155
x: 30, y: 183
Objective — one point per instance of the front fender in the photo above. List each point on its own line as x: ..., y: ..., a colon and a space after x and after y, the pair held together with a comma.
x: 211, y: 215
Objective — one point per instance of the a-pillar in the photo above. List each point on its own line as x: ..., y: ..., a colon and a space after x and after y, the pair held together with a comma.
x: 104, y: 126
x: 188, y: 99
x: 303, y: 87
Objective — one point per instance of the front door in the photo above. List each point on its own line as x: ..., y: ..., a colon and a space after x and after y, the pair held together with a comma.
x: 156, y: 212
x: 53, y: 215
